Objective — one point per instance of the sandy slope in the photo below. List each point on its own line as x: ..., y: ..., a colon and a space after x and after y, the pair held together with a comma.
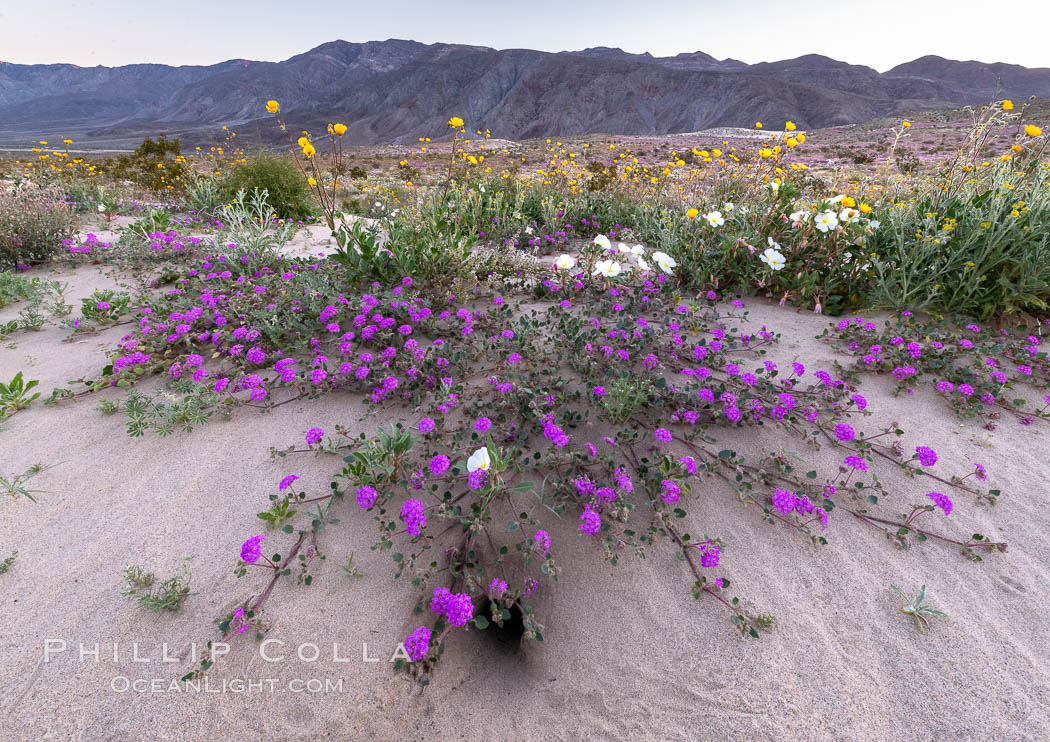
x: 629, y: 653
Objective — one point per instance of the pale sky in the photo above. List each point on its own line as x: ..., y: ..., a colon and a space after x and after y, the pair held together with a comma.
x: 878, y: 34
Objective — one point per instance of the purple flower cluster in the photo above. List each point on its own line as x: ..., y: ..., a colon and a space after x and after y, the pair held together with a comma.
x: 671, y: 491
x: 926, y: 455
x: 624, y: 485
x: 940, y: 500
x: 413, y: 516
x: 788, y: 502
x: 590, y: 521
x: 856, y: 462
x: 439, y: 465
x: 709, y: 554
x: 417, y: 644
x: 497, y: 588
x: 456, y: 607
x: 844, y: 432
x: 366, y: 497
x: 251, y: 549
x: 553, y: 433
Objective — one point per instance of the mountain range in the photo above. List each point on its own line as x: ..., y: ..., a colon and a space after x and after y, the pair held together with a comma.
x: 397, y: 91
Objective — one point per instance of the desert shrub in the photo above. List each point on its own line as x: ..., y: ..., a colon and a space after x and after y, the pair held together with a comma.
x: 430, y: 246
x: 204, y: 195
x: 156, y: 165
x: 33, y: 222
x: 982, y: 250
x: 288, y: 192
x: 251, y: 229
x: 83, y: 194
x: 906, y: 161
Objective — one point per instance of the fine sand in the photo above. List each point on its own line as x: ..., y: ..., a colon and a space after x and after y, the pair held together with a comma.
x: 629, y: 654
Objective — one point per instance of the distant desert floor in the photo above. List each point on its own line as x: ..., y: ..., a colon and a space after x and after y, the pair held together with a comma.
x: 628, y: 652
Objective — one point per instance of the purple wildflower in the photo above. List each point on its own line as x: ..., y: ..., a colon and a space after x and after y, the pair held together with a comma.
x: 439, y: 465
x: 366, y: 497
x: 460, y: 609
x: 941, y: 501
x: 927, y: 456
x: 709, y: 554
x: 590, y: 521
x: 251, y: 551
x: 414, y: 517
x: 783, y: 501
x: 417, y: 644
x: 856, y: 462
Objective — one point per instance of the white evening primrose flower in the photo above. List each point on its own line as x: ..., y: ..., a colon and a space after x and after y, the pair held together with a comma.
x: 772, y: 243
x: 848, y: 216
x: 798, y: 217
x: 666, y: 262
x: 715, y: 219
x: 775, y: 186
x: 101, y: 209
x: 565, y: 262
x: 603, y: 242
x: 826, y: 221
x: 479, y: 460
x: 773, y: 258
x: 874, y: 224
x: 836, y: 199
x: 529, y: 229
x: 608, y: 268
x: 642, y: 264
x: 729, y: 206
x: 638, y: 250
